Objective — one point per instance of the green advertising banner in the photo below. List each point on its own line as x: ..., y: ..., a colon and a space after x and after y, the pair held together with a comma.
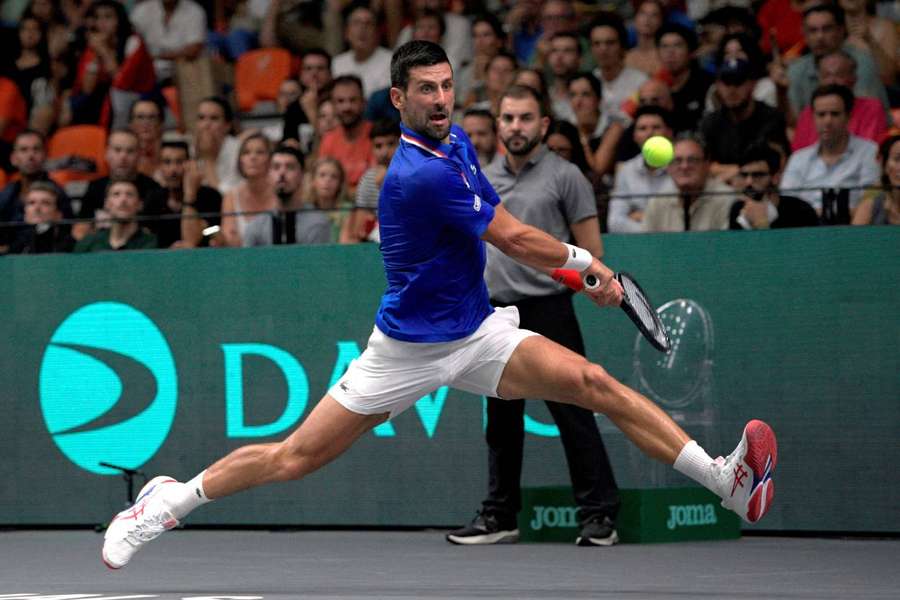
x: 163, y: 361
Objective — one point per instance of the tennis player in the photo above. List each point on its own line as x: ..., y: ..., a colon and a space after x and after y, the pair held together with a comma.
x: 436, y: 327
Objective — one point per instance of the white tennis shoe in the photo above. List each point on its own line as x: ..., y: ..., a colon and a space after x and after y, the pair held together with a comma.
x: 745, y: 476
x: 146, y: 520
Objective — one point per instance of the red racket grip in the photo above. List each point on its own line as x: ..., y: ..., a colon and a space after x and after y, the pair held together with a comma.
x: 569, y: 278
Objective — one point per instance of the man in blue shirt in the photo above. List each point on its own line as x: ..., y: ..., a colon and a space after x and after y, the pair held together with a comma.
x: 435, y: 326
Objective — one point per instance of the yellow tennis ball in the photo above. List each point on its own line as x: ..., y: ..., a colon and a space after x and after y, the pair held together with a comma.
x: 658, y: 151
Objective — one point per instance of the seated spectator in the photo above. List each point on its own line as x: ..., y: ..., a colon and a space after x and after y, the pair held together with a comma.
x: 600, y: 132
x: 114, y: 69
x: 740, y: 123
x: 533, y: 78
x: 328, y: 192
x: 122, y: 160
x: 875, y: 35
x: 609, y: 40
x: 456, y: 37
x: 43, y: 207
x: 365, y: 59
x: 500, y: 73
x: 291, y: 224
x: 562, y: 138
x: 32, y: 64
x: 481, y: 128
x: 839, y: 159
x: 701, y: 202
x: 247, y: 201
x: 740, y: 46
x: 13, y: 118
x: 760, y: 205
x: 564, y: 60
x: 488, y: 38
x: 57, y: 26
x: 216, y: 148
x: 315, y: 83
x: 122, y: 232
x: 289, y: 92
x: 644, y: 56
x: 429, y: 26
x: 172, y: 30
x: 181, y: 194
x: 636, y: 181
x: 349, y: 143
x: 236, y: 27
x: 867, y: 120
x: 652, y: 92
x: 687, y: 81
x: 145, y: 119
x: 362, y: 223
x: 555, y: 16
x: 883, y: 208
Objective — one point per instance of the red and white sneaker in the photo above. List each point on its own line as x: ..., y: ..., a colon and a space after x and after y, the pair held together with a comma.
x: 745, y: 479
x: 146, y: 520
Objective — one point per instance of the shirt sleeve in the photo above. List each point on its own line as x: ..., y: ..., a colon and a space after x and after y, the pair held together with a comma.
x: 439, y: 187
x: 577, y: 194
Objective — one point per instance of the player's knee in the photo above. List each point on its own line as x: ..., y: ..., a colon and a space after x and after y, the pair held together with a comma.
x: 294, y: 461
x: 595, y: 379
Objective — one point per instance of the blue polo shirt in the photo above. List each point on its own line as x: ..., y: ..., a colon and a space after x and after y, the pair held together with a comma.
x: 434, y: 206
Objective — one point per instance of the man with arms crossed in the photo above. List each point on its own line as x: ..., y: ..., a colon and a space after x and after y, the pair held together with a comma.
x: 436, y: 327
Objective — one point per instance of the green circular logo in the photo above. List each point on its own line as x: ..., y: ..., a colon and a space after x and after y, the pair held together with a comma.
x: 108, y: 387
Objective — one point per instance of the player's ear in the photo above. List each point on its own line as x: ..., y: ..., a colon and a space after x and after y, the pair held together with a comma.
x: 398, y: 98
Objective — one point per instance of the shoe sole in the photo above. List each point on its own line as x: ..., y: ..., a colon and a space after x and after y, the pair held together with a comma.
x: 762, y: 457
x: 607, y: 541
x: 503, y: 537
x: 147, y: 489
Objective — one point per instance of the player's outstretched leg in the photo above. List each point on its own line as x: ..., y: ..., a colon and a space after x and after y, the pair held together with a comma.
x: 328, y: 431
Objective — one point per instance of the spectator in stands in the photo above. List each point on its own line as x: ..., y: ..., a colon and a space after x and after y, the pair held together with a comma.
x: 173, y: 30
x: 781, y: 22
x: 315, y: 85
x: 701, y: 203
x: 349, y: 143
x: 181, y: 194
x: 533, y: 78
x: 740, y: 46
x: 456, y: 39
x: 867, y: 120
x: 13, y: 118
x: 32, y: 64
x: 600, y: 131
x: 875, y: 35
x: 122, y: 160
x: 293, y: 24
x: 145, y: 119
x: 883, y: 208
x: 501, y: 72
x: 688, y: 82
x: 481, y: 128
x: 290, y: 225
x: 609, y: 40
x: 365, y: 59
x: 562, y: 138
x: 236, y: 26
x: 56, y: 28
x: 362, y: 223
x: 825, y: 31
x: 556, y: 16
x: 429, y: 26
x: 114, y: 68
x: 563, y: 60
x: 523, y: 22
x: 249, y: 200
x: 43, y: 206
x: 761, y: 206
x: 216, y: 148
x: 328, y: 192
x: 123, y: 232
x: 653, y: 92
x: 636, y: 181
x: 289, y: 93
x: 740, y: 123
x: 839, y: 159
x: 647, y: 20
x: 488, y: 38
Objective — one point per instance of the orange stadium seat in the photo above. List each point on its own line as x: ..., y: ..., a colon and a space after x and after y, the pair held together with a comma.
x: 258, y: 74
x: 68, y: 144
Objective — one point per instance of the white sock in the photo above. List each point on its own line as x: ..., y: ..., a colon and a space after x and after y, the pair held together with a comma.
x: 694, y: 462
x: 188, y: 497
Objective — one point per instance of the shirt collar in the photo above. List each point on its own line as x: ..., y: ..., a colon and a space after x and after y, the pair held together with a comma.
x: 426, y: 144
x: 540, y: 154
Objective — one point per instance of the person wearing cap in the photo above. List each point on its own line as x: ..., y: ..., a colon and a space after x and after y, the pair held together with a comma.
x: 740, y: 122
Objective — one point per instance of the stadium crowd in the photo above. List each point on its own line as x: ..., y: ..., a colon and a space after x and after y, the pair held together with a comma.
x: 178, y: 123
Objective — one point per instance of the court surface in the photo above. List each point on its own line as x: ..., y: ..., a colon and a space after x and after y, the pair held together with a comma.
x: 245, y: 565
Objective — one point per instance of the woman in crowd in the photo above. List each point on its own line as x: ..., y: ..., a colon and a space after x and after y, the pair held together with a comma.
x: 500, y: 73
x: 328, y: 192
x: 563, y: 138
x: 874, y: 34
x: 883, y: 208
x: 253, y: 195
x: 647, y: 21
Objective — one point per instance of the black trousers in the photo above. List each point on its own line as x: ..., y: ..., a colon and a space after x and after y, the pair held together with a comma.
x: 593, y: 483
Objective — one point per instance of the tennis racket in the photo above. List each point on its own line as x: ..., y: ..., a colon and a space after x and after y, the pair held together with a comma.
x: 634, y: 302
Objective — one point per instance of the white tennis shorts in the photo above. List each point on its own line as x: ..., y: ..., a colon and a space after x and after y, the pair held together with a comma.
x: 390, y: 375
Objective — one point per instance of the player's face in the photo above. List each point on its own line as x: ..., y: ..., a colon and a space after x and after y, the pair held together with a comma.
x: 520, y: 125
x: 427, y: 102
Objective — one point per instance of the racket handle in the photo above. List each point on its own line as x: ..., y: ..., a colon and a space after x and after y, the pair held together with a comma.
x: 569, y: 278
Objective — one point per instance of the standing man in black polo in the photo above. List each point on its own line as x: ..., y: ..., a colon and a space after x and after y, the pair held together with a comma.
x: 548, y: 192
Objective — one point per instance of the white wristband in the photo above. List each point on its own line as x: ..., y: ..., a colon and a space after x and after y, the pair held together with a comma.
x: 577, y: 258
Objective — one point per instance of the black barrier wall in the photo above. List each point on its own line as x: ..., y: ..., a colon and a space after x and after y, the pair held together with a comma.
x: 164, y: 361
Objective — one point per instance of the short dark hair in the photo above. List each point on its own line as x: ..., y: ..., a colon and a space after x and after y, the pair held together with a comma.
x: 833, y: 9
x: 154, y: 100
x: 494, y: 23
x: 482, y: 113
x: 290, y: 150
x: 659, y: 111
x: 384, y: 127
x: 523, y: 92
x: 222, y: 103
x: 47, y: 186
x: 693, y: 136
x: 761, y: 152
x: 687, y: 34
x: 354, y: 6
x: 318, y: 52
x: 348, y: 79
x: 417, y: 53
x: 433, y: 14
x: 506, y: 55
x: 123, y: 131
x: 834, y: 89
x: 34, y: 132
x: 569, y: 35
x: 115, y: 180
x: 614, y: 22
x: 592, y: 81
x: 177, y: 145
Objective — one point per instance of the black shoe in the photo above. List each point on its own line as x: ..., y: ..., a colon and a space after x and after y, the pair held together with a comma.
x: 485, y: 529
x: 599, y: 531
